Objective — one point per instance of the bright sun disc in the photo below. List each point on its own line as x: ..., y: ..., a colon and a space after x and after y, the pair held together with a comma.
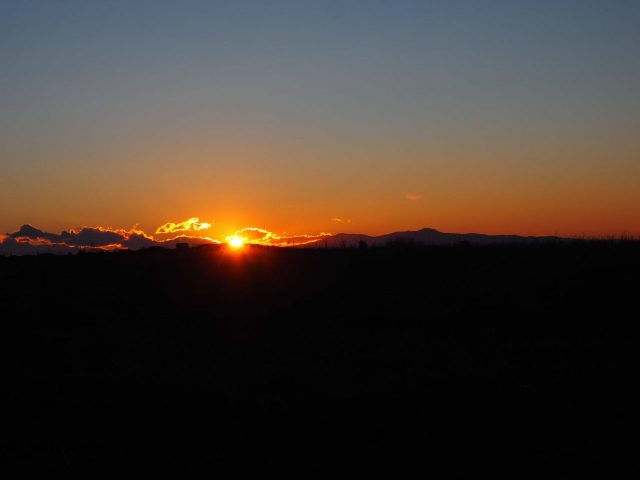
x: 236, y: 242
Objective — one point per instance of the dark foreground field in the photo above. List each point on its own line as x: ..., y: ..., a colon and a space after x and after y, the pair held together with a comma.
x: 379, y: 358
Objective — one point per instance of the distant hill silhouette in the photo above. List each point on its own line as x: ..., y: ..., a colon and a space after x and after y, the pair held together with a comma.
x: 428, y: 236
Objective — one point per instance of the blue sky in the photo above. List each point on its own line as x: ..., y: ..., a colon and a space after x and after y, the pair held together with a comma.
x: 291, y: 113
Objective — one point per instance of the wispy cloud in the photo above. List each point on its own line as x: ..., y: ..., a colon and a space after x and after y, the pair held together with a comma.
x: 414, y: 196
x: 341, y: 220
x: 192, y: 225
x: 260, y: 236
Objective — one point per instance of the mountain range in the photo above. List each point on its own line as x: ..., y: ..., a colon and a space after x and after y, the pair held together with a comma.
x: 427, y: 236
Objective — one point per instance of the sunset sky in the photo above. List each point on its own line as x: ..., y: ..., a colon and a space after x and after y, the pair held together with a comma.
x: 303, y: 117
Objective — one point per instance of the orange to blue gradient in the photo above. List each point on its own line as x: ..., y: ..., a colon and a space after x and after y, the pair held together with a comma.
x: 303, y: 117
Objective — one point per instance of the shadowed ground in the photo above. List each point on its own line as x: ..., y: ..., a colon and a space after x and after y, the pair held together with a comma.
x: 379, y: 356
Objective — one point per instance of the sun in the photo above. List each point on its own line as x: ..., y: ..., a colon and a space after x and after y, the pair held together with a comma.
x: 236, y: 242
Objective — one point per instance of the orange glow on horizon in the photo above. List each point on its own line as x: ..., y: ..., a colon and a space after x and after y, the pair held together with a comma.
x: 235, y: 242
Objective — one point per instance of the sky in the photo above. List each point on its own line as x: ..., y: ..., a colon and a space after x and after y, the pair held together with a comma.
x: 303, y: 117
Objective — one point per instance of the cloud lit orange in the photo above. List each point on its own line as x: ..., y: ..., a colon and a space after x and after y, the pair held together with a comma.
x: 260, y: 236
x: 193, y: 224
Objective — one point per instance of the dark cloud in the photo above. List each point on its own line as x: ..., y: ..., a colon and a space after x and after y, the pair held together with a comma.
x: 27, y: 246
x: 87, y: 236
x: 138, y: 240
x: 27, y: 231
x: 29, y: 240
x: 94, y: 237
